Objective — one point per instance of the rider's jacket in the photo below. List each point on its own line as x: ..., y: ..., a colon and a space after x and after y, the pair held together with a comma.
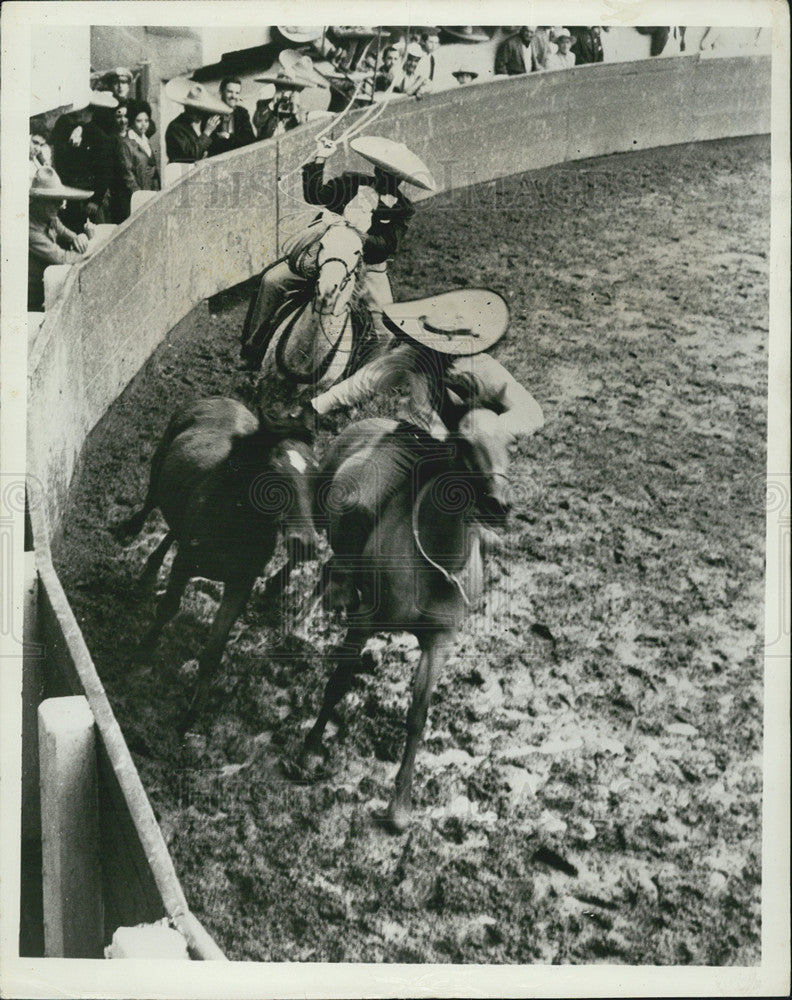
x: 389, y: 220
x: 467, y: 383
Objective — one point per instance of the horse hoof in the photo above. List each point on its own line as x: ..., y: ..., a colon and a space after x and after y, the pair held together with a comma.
x: 397, y: 818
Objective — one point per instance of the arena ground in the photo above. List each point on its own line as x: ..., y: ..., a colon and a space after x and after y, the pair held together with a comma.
x: 589, y: 789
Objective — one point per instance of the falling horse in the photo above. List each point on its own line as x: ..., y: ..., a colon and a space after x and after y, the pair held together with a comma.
x: 419, y: 567
x: 310, y: 332
x: 225, y: 483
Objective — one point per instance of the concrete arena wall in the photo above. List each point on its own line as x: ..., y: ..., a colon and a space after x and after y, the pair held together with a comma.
x: 224, y: 221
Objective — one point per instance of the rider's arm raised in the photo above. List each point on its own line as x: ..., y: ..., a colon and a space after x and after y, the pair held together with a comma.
x: 379, y: 375
x: 519, y: 413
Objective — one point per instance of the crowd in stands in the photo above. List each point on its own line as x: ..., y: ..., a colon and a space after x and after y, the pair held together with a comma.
x: 101, y: 151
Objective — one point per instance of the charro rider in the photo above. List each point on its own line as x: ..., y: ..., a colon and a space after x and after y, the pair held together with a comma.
x: 440, y: 366
x: 394, y: 164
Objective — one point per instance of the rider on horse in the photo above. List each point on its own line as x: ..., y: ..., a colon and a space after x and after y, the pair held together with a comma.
x: 439, y: 361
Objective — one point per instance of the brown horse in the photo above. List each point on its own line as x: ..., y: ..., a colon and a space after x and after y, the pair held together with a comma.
x: 420, y: 566
x: 225, y: 483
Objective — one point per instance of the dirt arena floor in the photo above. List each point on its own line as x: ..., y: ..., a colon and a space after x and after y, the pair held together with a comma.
x: 589, y: 789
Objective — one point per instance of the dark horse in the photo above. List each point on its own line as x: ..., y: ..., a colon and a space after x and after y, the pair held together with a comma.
x: 420, y: 566
x: 225, y: 483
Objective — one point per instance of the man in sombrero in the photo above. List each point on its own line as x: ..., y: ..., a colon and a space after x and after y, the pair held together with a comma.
x: 441, y: 371
x: 394, y: 165
x: 49, y: 241
x: 189, y: 135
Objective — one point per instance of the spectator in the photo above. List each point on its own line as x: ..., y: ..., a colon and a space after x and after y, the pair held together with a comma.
x: 263, y: 108
x: 82, y: 157
x: 49, y: 241
x: 284, y: 111
x: 563, y: 59
x: 389, y: 70
x: 658, y: 38
x: 139, y: 169
x: 189, y: 135
x: 410, y: 81
x: 429, y: 42
x: 588, y: 47
x: 541, y: 47
x: 464, y: 75
x: 236, y: 129
x: 118, y: 196
x: 515, y: 55
x: 119, y: 83
x: 40, y: 154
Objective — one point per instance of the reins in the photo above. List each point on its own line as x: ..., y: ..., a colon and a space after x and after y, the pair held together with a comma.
x: 448, y: 577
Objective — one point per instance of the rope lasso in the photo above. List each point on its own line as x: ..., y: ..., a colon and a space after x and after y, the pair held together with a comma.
x: 448, y: 577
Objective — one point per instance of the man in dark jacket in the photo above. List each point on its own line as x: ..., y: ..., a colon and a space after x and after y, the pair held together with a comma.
x: 82, y: 157
x: 588, y: 45
x: 515, y: 55
x: 236, y: 129
x: 189, y: 135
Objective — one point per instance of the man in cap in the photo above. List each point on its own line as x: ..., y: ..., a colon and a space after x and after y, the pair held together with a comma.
x: 563, y: 58
x: 82, y: 156
x: 189, y: 135
x: 516, y: 55
x: 394, y: 164
x: 49, y: 241
x: 235, y: 130
x: 442, y: 372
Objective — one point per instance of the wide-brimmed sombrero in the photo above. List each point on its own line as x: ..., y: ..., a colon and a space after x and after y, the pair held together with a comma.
x: 300, y: 35
x: 119, y: 73
x: 47, y: 184
x: 463, y: 322
x: 396, y: 158
x: 95, y: 99
x: 193, y: 95
x: 284, y: 82
x: 466, y: 34
x: 301, y: 67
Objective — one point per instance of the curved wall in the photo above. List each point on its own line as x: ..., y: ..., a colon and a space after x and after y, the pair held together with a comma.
x: 224, y: 220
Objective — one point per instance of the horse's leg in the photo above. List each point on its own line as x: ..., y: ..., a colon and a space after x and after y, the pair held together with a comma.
x: 434, y: 649
x: 148, y: 577
x: 235, y: 595
x: 347, y: 665
x: 167, y: 607
x: 126, y: 530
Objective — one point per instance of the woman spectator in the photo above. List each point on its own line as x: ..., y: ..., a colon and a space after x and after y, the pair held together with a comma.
x: 139, y: 169
x: 40, y: 154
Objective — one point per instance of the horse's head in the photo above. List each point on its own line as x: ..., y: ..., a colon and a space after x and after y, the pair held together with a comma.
x: 483, y: 449
x: 339, y: 260
x: 274, y: 465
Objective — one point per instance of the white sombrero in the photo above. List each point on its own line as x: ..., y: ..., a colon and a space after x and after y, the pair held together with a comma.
x: 47, y: 184
x: 462, y: 322
x: 283, y: 82
x: 299, y: 34
x: 465, y: 71
x: 95, y: 99
x: 467, y: 34
x: 193, y: 95
x: 396, y: 158
x: 301, y: 68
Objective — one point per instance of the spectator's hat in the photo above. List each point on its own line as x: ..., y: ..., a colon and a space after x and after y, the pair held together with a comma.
x: 95, y: 99
x: 266, y: 93
x: 299, y: 34
x: 557, y: 33
x: 466, y: 34
x: 47, y: 184
x: 465, y: 71
x: 119, y: 73
x: 414, y: 50
x: 301, y: 68
x: 283, y: 82
x: 395, y: 158
x: 464, y: 322
x: 193, y: 95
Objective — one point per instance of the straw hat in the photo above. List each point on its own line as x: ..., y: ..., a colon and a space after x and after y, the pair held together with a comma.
x: 47, y: 184
x: 301, y: 67
x: 562, y: 33
x: 467, y: 34
x: 299, y: 34
x: 193, y: 95
x: 465, y: 71
x: 463, y: 322
x: 119, y: 73
x: 414, y: 50
x: 283, y: 82
x: 396, y: 158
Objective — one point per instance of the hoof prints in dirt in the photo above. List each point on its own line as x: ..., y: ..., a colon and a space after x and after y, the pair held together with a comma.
x: 589, y: 785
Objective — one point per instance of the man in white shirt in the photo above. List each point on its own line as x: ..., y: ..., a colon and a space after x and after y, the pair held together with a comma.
x: 563, y: 59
